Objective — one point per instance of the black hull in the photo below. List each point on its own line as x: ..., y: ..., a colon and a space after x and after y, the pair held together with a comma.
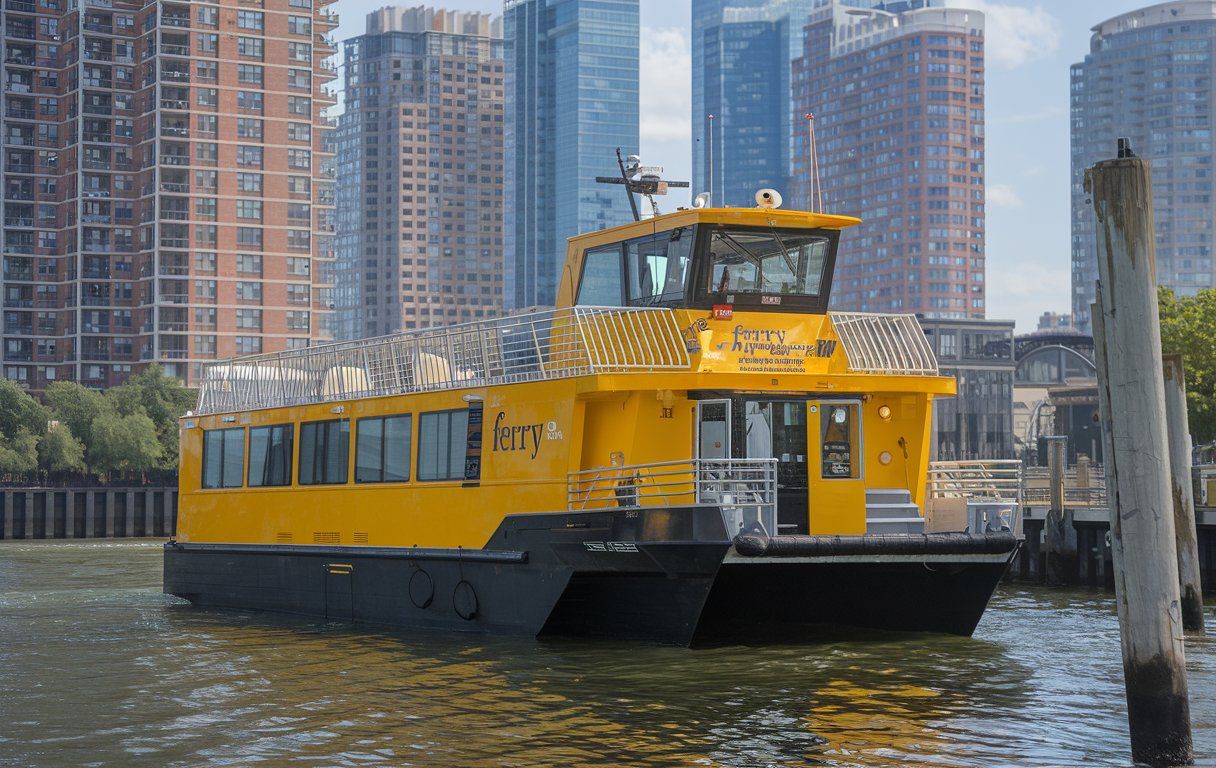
x: 670, y: 579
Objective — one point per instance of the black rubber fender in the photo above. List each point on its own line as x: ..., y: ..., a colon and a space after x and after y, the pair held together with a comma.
x: 758, y: 545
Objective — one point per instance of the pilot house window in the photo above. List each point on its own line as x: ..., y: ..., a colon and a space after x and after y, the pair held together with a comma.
x: 600, y: 285
x: 223, y: 457
x: 766, y: 261
x: 382, y: 450
x: 324, y: 447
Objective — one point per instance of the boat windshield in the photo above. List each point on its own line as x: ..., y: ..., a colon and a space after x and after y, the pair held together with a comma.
x: 787, y: 262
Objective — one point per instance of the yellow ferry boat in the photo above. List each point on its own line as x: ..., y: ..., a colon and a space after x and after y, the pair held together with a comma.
x: 689, y: 448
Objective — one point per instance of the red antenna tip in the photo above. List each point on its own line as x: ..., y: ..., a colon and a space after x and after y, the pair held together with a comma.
x: 809, y: 116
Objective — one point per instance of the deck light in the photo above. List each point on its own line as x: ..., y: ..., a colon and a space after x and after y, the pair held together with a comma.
x: 884, y: 458
x: 884, y: 412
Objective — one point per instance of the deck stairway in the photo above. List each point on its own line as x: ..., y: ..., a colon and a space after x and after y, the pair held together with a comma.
x: 891, y: 510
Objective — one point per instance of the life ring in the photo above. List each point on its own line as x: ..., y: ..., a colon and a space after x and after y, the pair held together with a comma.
x: 464, y: 600
x: 422, y: 589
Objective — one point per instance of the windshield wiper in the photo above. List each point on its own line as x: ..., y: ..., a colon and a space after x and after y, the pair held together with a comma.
x: 785, y: 253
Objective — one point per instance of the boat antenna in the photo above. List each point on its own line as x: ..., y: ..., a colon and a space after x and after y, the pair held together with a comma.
x: 641, y: 179
x: 710, y: 201
x: 816, y: 196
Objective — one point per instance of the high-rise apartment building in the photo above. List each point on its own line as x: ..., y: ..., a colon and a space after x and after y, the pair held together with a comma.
x: 420, y: 172
x: 1148, y: 77
x: 898, y: 99
x: 571, y: 101
x: 167, y: 190
x: 897, y: 90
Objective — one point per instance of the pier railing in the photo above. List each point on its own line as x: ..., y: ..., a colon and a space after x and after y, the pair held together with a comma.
x: 745, y: 489
x: 886, y: 344
x: 549, y: 344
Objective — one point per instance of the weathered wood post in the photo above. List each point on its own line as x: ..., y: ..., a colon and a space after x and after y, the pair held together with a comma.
x: 1131, y: 395
x: 1060, y: 536
x: 1178, y: 431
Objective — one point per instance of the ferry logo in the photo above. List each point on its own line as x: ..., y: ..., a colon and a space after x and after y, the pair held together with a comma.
x: 523, y: 437
x: 724, y: 311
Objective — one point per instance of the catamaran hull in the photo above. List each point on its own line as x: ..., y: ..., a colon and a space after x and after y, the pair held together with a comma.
x: 565, y: 580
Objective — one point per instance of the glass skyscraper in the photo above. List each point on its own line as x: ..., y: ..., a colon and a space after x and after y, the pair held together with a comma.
x: 571, y: 100
x: 1148, y: 76
x: 742, y: 57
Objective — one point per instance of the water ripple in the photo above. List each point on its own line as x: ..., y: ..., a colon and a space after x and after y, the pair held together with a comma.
x: 100, y: 668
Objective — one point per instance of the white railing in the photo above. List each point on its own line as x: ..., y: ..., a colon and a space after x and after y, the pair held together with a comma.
x: 888, y: 344
x: 550, y: 344
x: 1081, y: 489
x: 996, y: 479
x: 744, y: 489
x: 989, y: 489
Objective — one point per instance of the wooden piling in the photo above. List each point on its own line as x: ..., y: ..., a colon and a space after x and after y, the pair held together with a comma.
x: 1060, y: 535
x: 1183, y: 493
x: 1131, y: 394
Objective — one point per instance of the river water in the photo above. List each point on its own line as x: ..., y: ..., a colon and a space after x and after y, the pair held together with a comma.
x: 97, y: 667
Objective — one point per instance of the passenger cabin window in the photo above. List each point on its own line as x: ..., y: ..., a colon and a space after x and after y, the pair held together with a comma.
x: 382, y: 450
x: 324, y: 448
x: 223, y: 457
x: 270, y: 455
x: 442, y: 443
x: 600, y: 285
x: 785, y: 262
x: 658, y: 268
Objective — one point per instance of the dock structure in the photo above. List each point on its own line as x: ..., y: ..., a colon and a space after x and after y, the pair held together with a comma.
x: 87, y: 513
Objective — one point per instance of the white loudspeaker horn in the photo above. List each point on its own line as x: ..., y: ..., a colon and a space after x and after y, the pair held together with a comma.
x: 768, y: 198
x: 701, y: 200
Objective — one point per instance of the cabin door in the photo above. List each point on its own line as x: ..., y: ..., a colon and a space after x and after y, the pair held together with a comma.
x: 838, y: 492
x: 713, y: 429
x: 776, y: 429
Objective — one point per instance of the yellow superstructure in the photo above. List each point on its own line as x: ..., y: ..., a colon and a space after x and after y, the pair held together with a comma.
x: 579, y: 423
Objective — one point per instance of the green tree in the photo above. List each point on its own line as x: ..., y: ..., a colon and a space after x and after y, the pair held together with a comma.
x: 163, y: 399
x: 76, y: 406
x: 19, y: 452
x: 124, y: 444
x: 60, y: 451
x: 19, y: 411
x: 1188, y: 327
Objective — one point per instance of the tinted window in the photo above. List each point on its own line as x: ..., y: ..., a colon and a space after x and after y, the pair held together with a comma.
x: 270, y: 455
x: 324, y: 447
x: 788, y: 262
x: 223, y: 457
x: 601, y: 282
x: 657, y: 268
x: 442, y: 442
x: 382, y: 450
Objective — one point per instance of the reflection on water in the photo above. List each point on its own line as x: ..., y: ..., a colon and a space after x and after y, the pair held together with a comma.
x: 100, y: 668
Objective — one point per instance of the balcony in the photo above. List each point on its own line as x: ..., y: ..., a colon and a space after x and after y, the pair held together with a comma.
x: 175, y: 21
x: 21, y: 113
x: 22, y: 221
x: 180, y: 105
x: 21, y: 6
x: 175, y: 159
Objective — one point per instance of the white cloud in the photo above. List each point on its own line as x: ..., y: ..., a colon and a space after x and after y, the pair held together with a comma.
x: 1014, y: 35
x: 1003, y: 196
x: 1026, y: 289
x: 666, y: 85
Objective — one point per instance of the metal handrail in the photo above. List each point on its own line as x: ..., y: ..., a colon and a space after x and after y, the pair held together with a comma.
x: 745, y: 490
x: 550, y: 344
x: 998, y: 479
x: 886, y: 344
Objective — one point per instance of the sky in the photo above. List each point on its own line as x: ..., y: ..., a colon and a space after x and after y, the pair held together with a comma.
x: 1030, y: 47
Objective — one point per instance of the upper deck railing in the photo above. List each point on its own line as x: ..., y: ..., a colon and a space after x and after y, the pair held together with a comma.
x: 544, y: 345
x: 550, y: 344
x: 889, y: 344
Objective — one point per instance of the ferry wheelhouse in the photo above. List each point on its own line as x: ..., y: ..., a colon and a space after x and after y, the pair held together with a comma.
x: 688, y: 449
